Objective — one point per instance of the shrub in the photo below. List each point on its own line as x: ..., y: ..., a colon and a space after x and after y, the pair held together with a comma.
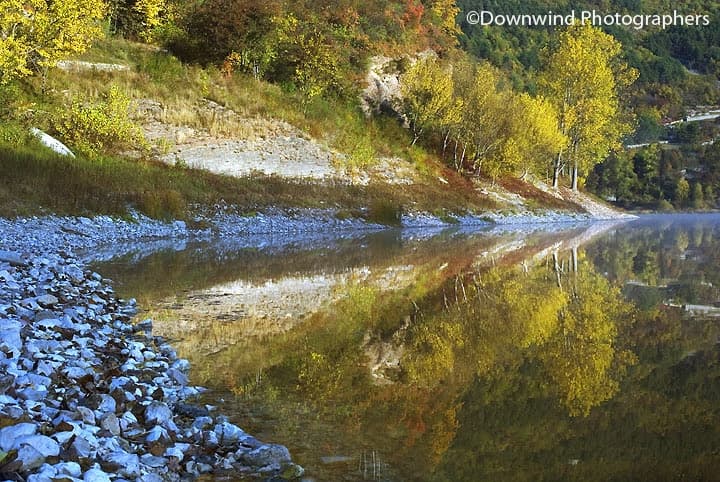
x: 13, y: 134
x: 105, y: 125
x: 163, y: 204
x: 664, y: 206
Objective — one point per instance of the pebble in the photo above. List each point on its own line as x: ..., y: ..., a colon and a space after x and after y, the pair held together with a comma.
x: 84, y: 393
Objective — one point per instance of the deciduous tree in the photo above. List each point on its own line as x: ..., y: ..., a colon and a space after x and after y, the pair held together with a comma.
x: 427, y: 94
x: 35, y: 34
x: 584, y: 79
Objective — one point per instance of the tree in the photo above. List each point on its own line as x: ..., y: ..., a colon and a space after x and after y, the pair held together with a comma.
x: 427, y: 94
x: 139, y: 18
x: 615, y: 178
x: 482, y: 117
x: 583, y: 357
x: 682, y: 190
x: 584, y: 79
x: 35, y: 34
x: 535, y: 133
x: 709, y: 196
x: 241, y: 28
x: 697, y: 198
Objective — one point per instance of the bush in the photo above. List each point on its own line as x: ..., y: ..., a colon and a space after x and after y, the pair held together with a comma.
x: 103, y: 126
x: 163, y: 204
x: 13, y: 134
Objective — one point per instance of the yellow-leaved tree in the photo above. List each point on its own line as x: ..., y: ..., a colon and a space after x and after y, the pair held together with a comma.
x: 584, y: 79
x: 427, y: 95
x: 35, y: 34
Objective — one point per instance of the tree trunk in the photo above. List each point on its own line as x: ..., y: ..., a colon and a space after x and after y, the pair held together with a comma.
x: 455, y: 157
x: 556, y: 268
x: 556, y: 170
x: 575, y: 177
x: 575, y: 259
x: 445, y: 143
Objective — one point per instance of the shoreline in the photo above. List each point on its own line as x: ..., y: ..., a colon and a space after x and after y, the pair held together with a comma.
x: 85, y: 393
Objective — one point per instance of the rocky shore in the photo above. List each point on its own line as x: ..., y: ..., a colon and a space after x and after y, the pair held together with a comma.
x: 85, y: 394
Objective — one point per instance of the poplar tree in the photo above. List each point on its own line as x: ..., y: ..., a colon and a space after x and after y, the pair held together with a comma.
x: 427, y: 95
x: 584, y: 79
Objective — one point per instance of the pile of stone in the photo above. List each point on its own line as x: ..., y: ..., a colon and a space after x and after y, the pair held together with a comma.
x: 85, y: 394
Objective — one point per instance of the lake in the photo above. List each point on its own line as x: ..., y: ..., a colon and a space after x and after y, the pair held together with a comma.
x: 578, y: 352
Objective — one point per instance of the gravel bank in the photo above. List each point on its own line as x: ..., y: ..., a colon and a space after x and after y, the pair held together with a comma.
x: 87, y: 395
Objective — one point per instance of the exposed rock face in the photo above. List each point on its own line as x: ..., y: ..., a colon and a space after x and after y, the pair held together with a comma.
x: 382, y: 92
x: 85, y: 394
x: 51, y: 143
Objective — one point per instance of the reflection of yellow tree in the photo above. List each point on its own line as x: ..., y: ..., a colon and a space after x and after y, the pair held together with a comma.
x: 513, y: 311
x: 583, y: 359
x: 532, y: 303
x: 432, y: 354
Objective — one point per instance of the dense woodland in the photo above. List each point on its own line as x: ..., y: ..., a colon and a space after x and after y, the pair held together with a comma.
x: 544, y: 103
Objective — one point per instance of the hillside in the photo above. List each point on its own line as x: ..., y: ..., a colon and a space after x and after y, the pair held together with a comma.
x: 211, y: 139
x: 678, y: 77
x: 232, y: 103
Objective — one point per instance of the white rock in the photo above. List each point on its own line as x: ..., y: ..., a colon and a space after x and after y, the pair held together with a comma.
x: 83, y: 447
x: 110, y: 423
x: 51, y: 143
x: 47, y: 300
x: 95, y: 475
x: 12, y: 258
x: 72, y: 469
x: 129, y: 463
x: 107, y: 403
x: 10, y: 340
x: 178, y: 376
x: 202, y: 422
x: 8, y: 435
x: 157, y: 433
x: 153, y: 461
x: 42, y: 476
x: 174, y: 452
x: 228, y: 433
x: 158, y: 412
x: 151, y: 477
x: 30, y: 457
x: 88, y: 416
x: 46, y: 446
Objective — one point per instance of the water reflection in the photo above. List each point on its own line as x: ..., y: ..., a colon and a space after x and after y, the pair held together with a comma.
x: 586, y: 354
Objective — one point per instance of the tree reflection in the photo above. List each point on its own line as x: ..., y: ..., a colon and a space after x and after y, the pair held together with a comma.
x: 525, y: 369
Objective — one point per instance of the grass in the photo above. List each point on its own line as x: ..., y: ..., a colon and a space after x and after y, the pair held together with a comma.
x: 537, y: 197
x: 36, y: 181
x: 184, y: 90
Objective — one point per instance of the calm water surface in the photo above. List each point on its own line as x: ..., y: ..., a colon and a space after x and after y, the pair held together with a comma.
x: 587, y: 353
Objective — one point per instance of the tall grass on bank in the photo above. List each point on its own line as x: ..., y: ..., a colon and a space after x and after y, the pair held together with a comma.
x: 183, y: 89
x: 34, y: 180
